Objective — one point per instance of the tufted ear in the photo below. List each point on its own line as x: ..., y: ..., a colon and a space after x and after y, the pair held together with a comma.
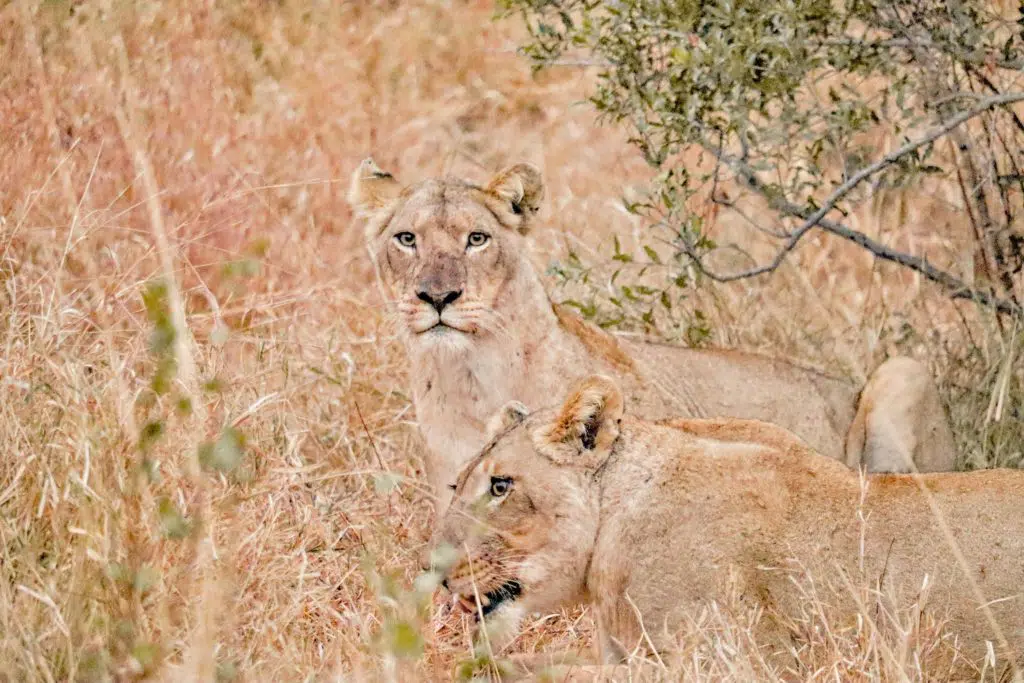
x: 521, y: 187
x: 586, y: 426
x: 508, y: 416
x: 372, y: 188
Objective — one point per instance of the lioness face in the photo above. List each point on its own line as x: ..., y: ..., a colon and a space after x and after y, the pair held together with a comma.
x: 447, y: 250
x: 445, y: 260
x: 520, y: 530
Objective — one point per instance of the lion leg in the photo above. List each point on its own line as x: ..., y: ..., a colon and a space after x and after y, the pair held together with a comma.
x: 901, y: 424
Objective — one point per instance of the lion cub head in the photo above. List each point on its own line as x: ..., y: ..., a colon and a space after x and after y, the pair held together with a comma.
x: 519, y: 532
x: 447, y: 250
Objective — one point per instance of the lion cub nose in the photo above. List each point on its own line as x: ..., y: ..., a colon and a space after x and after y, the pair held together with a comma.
x: 438, y: 300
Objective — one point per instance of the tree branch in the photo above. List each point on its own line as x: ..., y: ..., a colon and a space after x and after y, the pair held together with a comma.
x: 811, y: 219
x: 983, y: 59
x: 958, y: 289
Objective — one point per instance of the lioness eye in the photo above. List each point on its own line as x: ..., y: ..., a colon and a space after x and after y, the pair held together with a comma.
x: 500, y: 486
x: 406, y: 239
x: 477, y: 239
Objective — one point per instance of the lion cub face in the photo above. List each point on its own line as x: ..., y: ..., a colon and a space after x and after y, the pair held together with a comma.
x: 447, y: 250
x: 518, y: 535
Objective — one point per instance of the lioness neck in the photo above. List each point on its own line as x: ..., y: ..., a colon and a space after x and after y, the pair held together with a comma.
x: 457, y: 389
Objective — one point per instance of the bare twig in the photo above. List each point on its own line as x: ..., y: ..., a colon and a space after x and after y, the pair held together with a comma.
x: 816, y: 218
x: 373, y: 444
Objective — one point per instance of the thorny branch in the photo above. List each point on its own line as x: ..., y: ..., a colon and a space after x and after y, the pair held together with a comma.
x: 817, y: 219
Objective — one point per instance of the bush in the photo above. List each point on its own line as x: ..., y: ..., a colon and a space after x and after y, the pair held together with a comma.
x: 785, y: 102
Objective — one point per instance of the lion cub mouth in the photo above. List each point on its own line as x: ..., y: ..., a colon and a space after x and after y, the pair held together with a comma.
x: 490, y: 601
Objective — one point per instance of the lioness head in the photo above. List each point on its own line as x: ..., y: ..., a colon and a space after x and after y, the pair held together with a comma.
x: 447, y: 250
x: 523, y: 522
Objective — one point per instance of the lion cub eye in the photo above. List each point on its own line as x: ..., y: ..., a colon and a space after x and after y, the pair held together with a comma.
x: 406, y: 239
x: 500, y: 486
x: 477, y: 239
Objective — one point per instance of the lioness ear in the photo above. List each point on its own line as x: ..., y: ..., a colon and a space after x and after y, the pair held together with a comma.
x: 521, y: 187
x: 586, y: 426
x: 510, y: 414
x: 372, y: 188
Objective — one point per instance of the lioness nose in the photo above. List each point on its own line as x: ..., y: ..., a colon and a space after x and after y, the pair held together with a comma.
x: 438, y: 300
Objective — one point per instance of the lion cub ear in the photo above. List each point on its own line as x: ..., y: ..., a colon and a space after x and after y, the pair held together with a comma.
x: 508, y: 416
x: 586, y: 426
x: 372, y: 188
x: 521, y: 187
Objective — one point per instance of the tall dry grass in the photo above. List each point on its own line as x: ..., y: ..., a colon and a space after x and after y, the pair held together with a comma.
x: 171, y: 212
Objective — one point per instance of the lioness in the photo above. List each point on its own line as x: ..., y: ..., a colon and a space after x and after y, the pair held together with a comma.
x: 649, y: 522
x: 480, y: 331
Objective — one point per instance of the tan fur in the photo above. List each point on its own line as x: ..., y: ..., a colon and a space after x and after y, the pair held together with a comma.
x: 520, y: 184
x: 650, y: 522
x: 596, y: 341
x: 508, y: 342
x: 372, y: 188
x: 587, y: 423
x: 900, y: 423
x: 510, y: 414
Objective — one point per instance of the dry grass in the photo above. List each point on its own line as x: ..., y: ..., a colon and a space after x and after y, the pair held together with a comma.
x: 205, y: 144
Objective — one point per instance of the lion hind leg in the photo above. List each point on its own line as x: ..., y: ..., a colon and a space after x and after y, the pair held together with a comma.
x: 901, y: 424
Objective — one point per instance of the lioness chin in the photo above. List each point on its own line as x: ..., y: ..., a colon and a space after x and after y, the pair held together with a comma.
x: 480, y: 330
x: 650, y: 522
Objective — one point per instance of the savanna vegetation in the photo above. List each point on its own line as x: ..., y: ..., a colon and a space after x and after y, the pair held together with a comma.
x: 210, y: 469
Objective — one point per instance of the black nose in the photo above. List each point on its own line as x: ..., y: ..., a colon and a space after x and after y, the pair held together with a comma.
x: 438, y: 301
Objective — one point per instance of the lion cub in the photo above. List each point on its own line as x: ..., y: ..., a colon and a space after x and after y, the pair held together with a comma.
x: 648, y: 522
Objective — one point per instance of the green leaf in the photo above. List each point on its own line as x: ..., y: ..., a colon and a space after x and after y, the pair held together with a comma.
x: 386, y: 482
x: 242, y: 268
x: 183, y: 406
x: 225, y: 453
x: 213, y: 385
x: 144, y: 579
x: 146, y: 655
x: 402, y: 639
x: 117, y: 572
x: 172, y: 523
x: 150, y: 434
x: 166, y: 369
x: 226, y: 672
x: 652, y: 254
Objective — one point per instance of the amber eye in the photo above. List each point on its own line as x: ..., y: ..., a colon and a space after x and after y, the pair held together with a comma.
x: 477, y: 239
x: 406, y: 239
x: 500, y: 486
